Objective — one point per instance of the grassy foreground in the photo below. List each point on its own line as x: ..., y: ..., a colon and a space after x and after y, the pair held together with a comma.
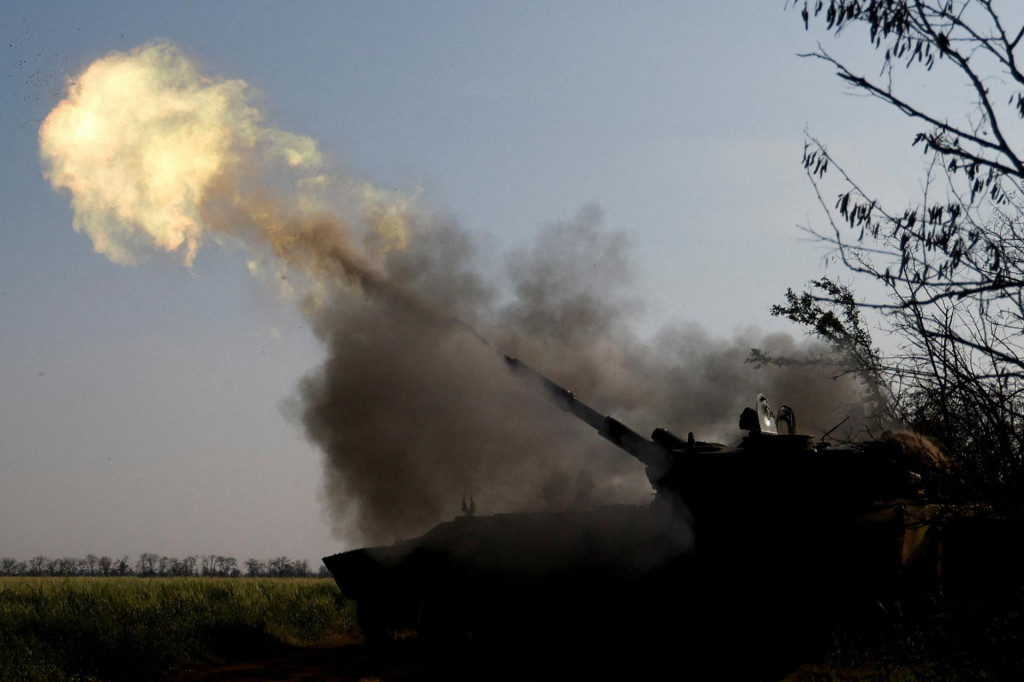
x: 131, y: 628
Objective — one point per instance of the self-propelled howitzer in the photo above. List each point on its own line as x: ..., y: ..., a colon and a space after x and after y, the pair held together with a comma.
x: 775, y: 537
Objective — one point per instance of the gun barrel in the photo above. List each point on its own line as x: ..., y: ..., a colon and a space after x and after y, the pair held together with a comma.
x: 611, y: 429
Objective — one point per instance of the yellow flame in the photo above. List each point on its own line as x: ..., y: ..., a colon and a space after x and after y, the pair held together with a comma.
x: 157, y: 155
x: 139, y: 140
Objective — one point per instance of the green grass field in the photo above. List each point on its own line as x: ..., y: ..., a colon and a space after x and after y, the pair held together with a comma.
x: 131, y: 628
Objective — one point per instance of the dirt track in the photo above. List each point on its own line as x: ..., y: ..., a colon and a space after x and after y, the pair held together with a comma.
x: 354, y: 661
x: 351, y: 660
x: 335, y: 661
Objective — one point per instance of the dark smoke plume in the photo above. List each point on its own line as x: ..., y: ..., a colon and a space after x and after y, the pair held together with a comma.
x: 413, y: 413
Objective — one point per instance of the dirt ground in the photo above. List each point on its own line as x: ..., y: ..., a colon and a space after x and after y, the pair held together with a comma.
x: 350, y: 660
x: 346, y: 660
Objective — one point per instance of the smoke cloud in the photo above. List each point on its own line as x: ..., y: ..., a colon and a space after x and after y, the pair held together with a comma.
x: 411, y: 411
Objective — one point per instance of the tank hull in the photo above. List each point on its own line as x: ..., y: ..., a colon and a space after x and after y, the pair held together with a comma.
x: 733, y: 570
x: 490, y: 573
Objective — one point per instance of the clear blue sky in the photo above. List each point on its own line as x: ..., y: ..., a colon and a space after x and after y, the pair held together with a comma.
x: 141, y: 407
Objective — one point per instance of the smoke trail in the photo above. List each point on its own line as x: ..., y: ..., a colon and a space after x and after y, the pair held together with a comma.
x: 411, y: 413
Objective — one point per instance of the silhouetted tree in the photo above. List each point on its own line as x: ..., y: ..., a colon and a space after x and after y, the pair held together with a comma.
x: 147, y: 564
x: 226, y: 566
x: 37, y: 564
x: 951, y: 261
x: 279, y: 567
x: 122, y: 566
x: 186, y: 566
x: 10, y: 566
x: 254, y: 568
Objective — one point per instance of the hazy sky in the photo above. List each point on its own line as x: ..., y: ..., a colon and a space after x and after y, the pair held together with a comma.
x: 141, y: 407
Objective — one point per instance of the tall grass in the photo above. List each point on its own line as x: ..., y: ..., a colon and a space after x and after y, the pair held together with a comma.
x: 130, y: 628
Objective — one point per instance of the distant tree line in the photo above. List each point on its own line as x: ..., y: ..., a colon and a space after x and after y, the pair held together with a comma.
x: 153, y: 565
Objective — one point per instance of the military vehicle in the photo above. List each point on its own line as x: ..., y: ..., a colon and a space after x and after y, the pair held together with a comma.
x: 771, y: 542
